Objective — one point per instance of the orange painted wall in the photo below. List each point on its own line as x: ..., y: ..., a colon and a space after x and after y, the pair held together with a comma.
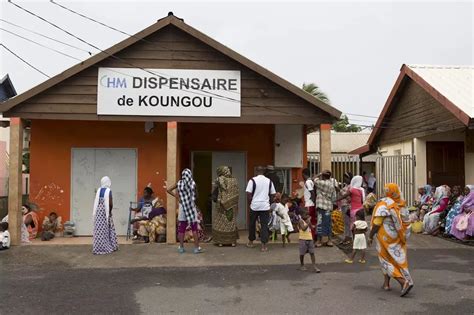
x: 256, y: 140
x: 51, y: 144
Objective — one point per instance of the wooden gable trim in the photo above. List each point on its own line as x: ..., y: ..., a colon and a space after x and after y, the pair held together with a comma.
x: 8, y: 105
x: 407, y: 73
x: 463, y: 117
x: 395, y: 90
x: 257, y: 68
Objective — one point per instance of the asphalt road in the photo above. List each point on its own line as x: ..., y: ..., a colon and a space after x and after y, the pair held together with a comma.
x: 444, y: 284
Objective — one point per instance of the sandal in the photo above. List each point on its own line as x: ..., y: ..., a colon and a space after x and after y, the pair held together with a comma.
x: 406, y: 288
x: 264, y: 249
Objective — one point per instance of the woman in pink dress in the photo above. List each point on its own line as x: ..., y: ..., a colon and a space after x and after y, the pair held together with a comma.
x: 357, y: 195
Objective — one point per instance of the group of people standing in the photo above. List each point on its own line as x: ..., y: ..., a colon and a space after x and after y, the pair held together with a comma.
x: 389, y: 226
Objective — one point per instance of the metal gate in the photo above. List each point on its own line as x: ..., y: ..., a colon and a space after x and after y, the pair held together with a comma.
x: 340, y: 163
x: 399, y: 169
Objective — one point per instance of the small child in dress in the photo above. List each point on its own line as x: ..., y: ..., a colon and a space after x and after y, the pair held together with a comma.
x: 306, y: 239
x: 4, y: 236
x: 360, y: 243
x: 281, y: 210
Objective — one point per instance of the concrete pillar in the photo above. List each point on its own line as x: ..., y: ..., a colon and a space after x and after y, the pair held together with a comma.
x: 15, y: 180
x: 171, y: 172
x: 325, y: 147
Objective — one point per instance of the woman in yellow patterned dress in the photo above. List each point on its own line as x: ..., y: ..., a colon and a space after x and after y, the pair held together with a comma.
x: 390, y: 233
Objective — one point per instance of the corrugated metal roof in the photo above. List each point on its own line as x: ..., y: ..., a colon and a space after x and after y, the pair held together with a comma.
x: 341, y: 142
x: 453, y: 82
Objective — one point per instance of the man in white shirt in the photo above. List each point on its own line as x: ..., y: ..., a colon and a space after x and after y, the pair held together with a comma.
x: 310, y: 199
x: 260, y: 191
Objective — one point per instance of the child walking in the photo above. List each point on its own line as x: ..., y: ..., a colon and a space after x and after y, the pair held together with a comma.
x: 306, y: 239
x: 281, y: 210
x: 4, y: 236
x: 360, y: 243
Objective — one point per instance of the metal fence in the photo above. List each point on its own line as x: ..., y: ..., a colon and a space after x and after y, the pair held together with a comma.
x: 399, y: 169
x: 340, y: 163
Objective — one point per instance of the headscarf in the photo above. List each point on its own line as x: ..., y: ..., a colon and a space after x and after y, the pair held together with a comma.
x: 223, y: 171
x: 228, y: 191
x: 468, y: 201
x: 426, y: 197
x: 471, y: 187
x: 441, y: 192
x: 105, y: 183
x: 392, y: 191
x: 356, y: 182
x: 187, y: 195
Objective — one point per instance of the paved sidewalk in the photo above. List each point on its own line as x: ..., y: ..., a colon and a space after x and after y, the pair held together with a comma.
x: 162, y: 255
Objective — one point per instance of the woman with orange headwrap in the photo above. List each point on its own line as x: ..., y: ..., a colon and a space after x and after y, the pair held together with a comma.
x: 390, y: 234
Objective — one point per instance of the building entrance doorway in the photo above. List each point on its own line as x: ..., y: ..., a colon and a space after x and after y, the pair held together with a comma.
x: 445, y: 163
x: 204, y: 166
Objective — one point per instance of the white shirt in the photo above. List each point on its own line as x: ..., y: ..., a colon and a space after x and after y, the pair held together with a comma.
x: 285, y: 221
x: 308, y: 188
x: 260, y: 199
x: 5, y: 239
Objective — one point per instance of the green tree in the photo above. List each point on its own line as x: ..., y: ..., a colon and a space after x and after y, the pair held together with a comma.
x: 314, y: 90
x: 343, y: 125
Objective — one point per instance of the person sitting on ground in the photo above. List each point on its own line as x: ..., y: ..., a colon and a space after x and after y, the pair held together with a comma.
x: 51, y: 226
x: 30, y: 218
x: 455, y: 210
x: 431, y: 219
x: 463, y: 224
x: 24, y: 231
x: 145, y: 205
x: 455, y: 196
x: 282, y: 210
x: 4, y: 236
x: 359, y: 229
x: 153, y: 228
x: 426, y: 202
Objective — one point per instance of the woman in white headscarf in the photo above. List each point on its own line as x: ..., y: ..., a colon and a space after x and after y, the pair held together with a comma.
x: 357, y: 196
x: 431, y: 219
x: 104, y: 237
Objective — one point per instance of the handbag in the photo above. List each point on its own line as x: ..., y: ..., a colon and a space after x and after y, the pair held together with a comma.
x: 463, y: 222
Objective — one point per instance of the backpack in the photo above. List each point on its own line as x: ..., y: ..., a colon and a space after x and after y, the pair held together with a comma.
x: 463, y: 222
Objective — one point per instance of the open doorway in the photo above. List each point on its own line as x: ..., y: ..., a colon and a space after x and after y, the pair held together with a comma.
x: 204, y: 166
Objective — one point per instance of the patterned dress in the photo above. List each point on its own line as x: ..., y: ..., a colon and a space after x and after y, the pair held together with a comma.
x: 105, y: 239
x: 390, y: 240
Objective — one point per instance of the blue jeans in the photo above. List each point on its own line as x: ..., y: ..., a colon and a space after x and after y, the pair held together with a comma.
x: 324, y: 226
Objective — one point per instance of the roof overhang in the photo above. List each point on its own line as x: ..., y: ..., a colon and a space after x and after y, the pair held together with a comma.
x: 179, y: 23
x: 407, y: 73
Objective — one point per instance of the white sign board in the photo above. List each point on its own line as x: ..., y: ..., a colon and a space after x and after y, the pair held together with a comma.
x: 168, y: 92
